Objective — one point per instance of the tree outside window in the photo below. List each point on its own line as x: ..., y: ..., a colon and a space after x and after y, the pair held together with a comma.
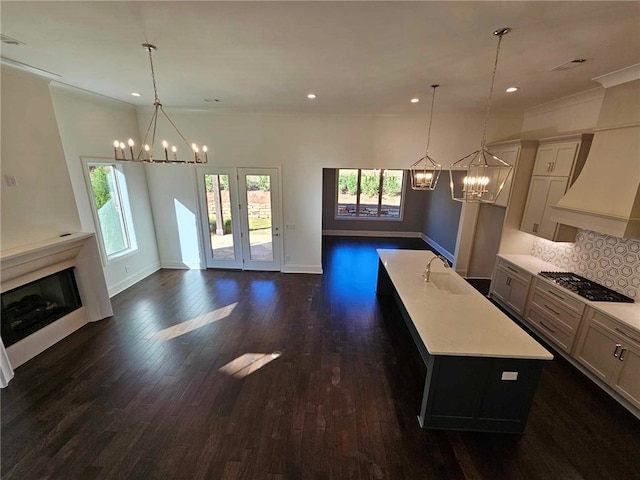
x: 370, y: 193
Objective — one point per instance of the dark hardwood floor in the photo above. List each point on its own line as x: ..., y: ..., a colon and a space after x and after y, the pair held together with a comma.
x: 231, y: 375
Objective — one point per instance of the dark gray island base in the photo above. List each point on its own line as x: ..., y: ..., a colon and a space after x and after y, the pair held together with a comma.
x: 476, y: 392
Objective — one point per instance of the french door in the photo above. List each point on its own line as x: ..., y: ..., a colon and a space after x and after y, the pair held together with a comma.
x: 241, y: 219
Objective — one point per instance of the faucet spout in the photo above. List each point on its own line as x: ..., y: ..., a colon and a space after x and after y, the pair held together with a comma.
x: 427, y: 270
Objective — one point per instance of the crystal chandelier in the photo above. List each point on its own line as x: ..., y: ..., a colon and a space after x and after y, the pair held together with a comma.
x: 480, y: 176
x: 147, y: 152
x: 426, y: 171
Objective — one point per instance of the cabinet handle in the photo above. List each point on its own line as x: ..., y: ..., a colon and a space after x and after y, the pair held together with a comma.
x: 512, y: 269
x: 627, y: 335
x: 547, y: 327
x: 508, y: 281
x: 615, y: 352
x: 548, y: 167
x: 551, y: 309
x: 555, y: 294
x: 622, y: 354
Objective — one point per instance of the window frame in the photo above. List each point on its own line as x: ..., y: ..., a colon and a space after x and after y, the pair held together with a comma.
x: 376, y: 218
x: 126, y: 214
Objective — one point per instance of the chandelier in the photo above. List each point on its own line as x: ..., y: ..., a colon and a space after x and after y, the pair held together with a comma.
x: 426, y: 171
x: 147, y: 153
x: 480, y: 176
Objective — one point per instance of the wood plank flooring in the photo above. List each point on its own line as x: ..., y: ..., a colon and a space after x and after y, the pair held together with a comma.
x: 247, y: 375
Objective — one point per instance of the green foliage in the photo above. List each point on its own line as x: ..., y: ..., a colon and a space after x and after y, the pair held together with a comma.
x: 100, y: 185
x: 213, y: 225
x: 258, y: 182
x: 392, y: 185
x: 370, y: 184
x: 348, y: 183
x: 223, y: 180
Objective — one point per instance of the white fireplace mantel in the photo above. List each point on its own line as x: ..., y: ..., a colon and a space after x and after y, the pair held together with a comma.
x: 22, y: 265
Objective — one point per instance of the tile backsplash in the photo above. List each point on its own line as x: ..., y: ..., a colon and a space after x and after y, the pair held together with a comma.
x: 610, y: 261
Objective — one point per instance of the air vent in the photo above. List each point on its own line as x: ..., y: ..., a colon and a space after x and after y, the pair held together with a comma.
x: 576, y: 62
x: 10, y: 41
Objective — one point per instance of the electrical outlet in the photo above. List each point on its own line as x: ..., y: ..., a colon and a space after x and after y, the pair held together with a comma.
x: 290, y: 226
x: 287, y: 258
x: 126, y: 269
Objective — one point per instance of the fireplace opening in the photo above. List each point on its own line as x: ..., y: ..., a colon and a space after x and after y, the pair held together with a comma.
x: 28, y: 308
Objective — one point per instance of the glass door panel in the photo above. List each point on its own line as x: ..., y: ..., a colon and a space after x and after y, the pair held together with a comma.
x: 259, y: 194
x: 219, y: 218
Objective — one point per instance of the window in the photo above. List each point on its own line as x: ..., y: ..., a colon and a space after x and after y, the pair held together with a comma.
x: 111, y: 209
x: 371, y: 194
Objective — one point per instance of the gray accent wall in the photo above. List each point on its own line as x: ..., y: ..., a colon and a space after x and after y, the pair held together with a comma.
x: 414, y: 205
x: 441, y: 215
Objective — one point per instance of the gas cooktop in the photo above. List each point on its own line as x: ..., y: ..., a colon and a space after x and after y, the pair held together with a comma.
x: 585, y: 288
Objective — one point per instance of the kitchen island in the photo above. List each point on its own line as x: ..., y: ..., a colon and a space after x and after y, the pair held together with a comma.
x: 482, y: 368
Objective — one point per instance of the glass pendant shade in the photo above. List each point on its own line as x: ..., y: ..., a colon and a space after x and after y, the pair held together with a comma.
x: 478, y: 177
x: 425, y: 174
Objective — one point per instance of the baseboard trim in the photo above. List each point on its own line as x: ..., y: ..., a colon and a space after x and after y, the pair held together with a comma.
x: 312, y: 269
x: 132, y: 280
x: 178, y: 266
x: 370, y: 233
x: 441, y: 250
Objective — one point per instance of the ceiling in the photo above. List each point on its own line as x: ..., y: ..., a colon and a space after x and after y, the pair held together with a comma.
x: 358, y: 57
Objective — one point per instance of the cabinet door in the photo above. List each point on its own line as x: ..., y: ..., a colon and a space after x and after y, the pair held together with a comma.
x: 511, y: 157
x: 518, y: 295
x: 626, y: 380
x: 501, y: 288
x: 544, y: 160
x: 563, y: 161
x: 556, y: 188
x: 596, y: 349
x: 535, y: 205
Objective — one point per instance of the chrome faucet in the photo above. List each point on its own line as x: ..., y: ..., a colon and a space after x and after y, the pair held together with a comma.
x: 427, y: 270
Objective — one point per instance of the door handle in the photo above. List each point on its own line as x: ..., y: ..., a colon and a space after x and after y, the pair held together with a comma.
x: 615, y: 352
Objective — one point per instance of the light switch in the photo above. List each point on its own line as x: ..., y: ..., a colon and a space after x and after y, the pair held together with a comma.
x: 509, y: 375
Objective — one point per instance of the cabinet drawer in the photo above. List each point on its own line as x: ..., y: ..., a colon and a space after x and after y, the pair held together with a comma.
x: 551, y: 329
x: 558, y: 311
x: 514, y: 271
x: 560, y: 295
x: 626, y: 334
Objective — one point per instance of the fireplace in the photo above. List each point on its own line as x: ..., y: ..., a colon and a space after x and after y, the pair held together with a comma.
x: 33, y: 306
x: 39, y: 309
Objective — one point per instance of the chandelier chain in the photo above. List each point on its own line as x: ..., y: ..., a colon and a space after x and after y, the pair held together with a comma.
x: 493, y: 79
x: 433, y: 100
x: 153, y: 76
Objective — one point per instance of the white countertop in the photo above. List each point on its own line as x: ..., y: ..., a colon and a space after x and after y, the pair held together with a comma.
x: 626, y: 313
x: 449, y: 324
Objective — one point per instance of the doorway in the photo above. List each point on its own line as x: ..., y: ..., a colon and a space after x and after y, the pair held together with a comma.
x: 241, y: 218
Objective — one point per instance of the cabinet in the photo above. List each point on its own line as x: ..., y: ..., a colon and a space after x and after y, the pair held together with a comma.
x: 554, y: 313
x: 510, y: 286
x: 558, y: 163
x: 611, y: 351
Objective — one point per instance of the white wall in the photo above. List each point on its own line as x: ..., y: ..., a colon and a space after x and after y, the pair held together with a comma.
x: 302, y: 145
x: 42, y: 205
x: 88, y: 125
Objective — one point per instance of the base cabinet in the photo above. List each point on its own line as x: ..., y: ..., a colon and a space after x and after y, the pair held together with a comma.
x: 612, y: 353
x: 510, y: 286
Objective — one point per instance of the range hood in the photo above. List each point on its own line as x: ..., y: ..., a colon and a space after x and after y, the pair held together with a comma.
x: 606, y: 195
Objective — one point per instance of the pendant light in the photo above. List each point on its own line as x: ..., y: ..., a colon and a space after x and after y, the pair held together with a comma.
x: 147, y: 152
x: 426, y: 171
x: 480, y: 176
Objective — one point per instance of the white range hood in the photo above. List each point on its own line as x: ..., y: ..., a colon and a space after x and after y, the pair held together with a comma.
x: 606, y: 196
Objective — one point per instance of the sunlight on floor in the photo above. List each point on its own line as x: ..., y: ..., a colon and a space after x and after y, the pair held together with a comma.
x: 248, y: 363
x: 195, y: 323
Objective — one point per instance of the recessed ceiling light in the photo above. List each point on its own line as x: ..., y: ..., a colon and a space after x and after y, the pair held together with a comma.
x: 415, y: 100
x: 135, y: 94
x: 312, y: 96
x: 512, y: 89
